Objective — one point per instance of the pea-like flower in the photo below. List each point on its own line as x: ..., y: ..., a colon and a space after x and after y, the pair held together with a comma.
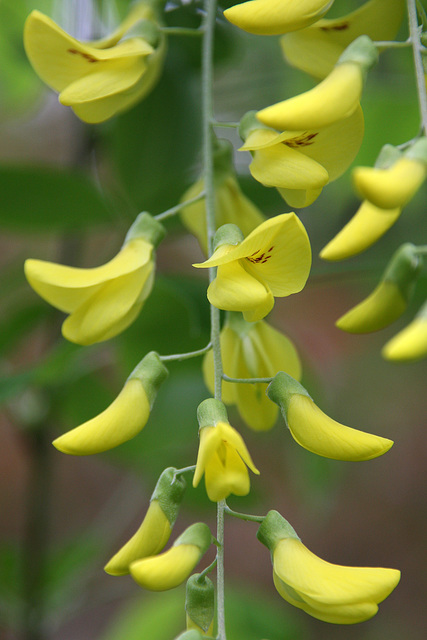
x: 156, y: 527
x: 274, y: 260
x: 316, y: 48
x: 410, y: 344
x: 272, y: 17
x: 171, y: 568
x: 103, y: 78
x: 102, y: 301
x: 252, y: 350
x: 124, y: 418
x: 223, y: 456
x: 329, y: 592
x: 312, y: 429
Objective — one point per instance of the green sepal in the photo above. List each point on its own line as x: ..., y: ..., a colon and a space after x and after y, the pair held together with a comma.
x: 151, y: 372
x: 418, y: 151
x: 274, y: 528
x: 404, y: 268
x: 197, y: 534
x: 387, y: 157
x: 236, y: 322
x: 361, y: 51
x: 282, y: 388
x: 146, y: 227
x: 169, y: 492
x: 210, y: 412
x: 250, y: 123
x: 227, y: 234
x: 200, y: 600
x: 191, y: 634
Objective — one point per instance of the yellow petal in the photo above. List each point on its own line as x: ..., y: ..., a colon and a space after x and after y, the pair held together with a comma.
x: 150, y: 538
x: 409, y: 344
x: 279, y: 350
x: 120, y: 422
x: 335, y: 98
x: 382, y: 307
x: 318, y: 433
x: 223, y: 477
x: 367, y: 226
x: 273, y: 17
x: 137, y: 12
x: 235, y: 440
x: 300, y: 198
x: 393, y: 187
x: 167, y: 570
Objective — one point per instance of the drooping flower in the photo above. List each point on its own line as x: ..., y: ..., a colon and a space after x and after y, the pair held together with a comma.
x: 273, y: 17
x: 102, y: 301
x: 200, y: 604
x: 317, y: 432
x: 223, y: 457
x: 171, y: 568
x: 333, y: 99
x: 317, y: 48
x: 124, y: 418
x: 274, y: 260
x: 329, y: 592
x: 391, y: 296
x: 410, y: 344
x: 103, y: 78
x: 156, y: 527
x: 300, y: 163
x: 252, y: 350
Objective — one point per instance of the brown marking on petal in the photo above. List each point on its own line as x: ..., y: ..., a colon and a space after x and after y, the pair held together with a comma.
x: 271, y: 249
x: 342, y: 26
x: 260, y: 259
x: 86, y: 56
x: 304, y: 140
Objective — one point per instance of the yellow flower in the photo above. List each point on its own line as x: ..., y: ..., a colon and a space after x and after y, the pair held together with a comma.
x: 317, y: 48
x: 222, y: 455
x: 317, y: 432
x: 274, y: 260
x: 273, y: 17
x: 124, y: 418
x: 102, y: 301
x: 169, y: 569
x: 329, y: 592
x: 104, y: 77
x: 390, y: 298
x: 252, y: 350
x: 410, y: 344
x: 156, y: 527
x: 300, y: 163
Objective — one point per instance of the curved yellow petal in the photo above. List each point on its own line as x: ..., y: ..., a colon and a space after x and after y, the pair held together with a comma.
x: 167, y: 570
x: 367, y: 226
x: 315, y: 431
x: 392, y: 187
x: 254, y: 406
x: 226, y: 474
x: 138, y: 12
x: 410, y: 344
x: 273, y: 17
x: 235, y: 440
x: 149, y: 539
x: 121, y: 421
x: 382, y: 307
x: 300, y: 198
x: 279, y: 350
x: 335, y: 98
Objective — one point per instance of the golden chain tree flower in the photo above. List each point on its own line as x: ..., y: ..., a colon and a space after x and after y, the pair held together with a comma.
x: 156, y: 527
x: 317, y: 48
x: 169, y: 569
x: 274, y: 260
x: 274, y: 17
x: 200, y: 604
x: 410, y: 344
x: 223, y: 457
x: 317, y: 432
x: 300, y: 163
x: 390, y: 298
x: 329, y: 592
x: 124, y: 418
x: 103, y: 78
x: 333, y: 99
x: 102, y: 301
x: 252, y: 350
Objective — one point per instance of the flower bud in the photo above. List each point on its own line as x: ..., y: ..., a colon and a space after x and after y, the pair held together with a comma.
x: 410, y: 344
x: 315, y: 431
x: 199, y: 603
x: 157, y: 525
x: 169, y: 569
x: 124, y: 418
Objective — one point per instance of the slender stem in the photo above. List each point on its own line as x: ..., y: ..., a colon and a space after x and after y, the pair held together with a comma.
x: 177, y: 208
x: 226, y: 125
x: 243, y: 516
x: 186, y: 356
x: 178, y: 472
x: 390, y: 44
x: 414, y: 31
x: 220, y: 580
x: 247, y: 380
x: 205, y: 572
x: 182, y: 31
x: 422, y: 250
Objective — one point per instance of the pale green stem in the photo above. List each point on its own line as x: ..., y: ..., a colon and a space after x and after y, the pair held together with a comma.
x: 247, y: 380
x: 414, y: 31
x: 179, y: 472
x: 422, y: 250
x: 243, y: 516
x: 226, y: 125
x: 186, y: 356
x: 177, y: 208
x: 205, y: 572
x: 182, y: 31
x: 391, y: 44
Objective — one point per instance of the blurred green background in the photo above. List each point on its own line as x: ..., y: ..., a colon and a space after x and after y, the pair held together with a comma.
x: 68, y: 193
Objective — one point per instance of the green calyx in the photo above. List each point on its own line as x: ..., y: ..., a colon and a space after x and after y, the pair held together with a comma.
x: 151, y: 372
x: 361, y: 51
x: 236, y: 322
x: 404, y: 268
x: 197, y: 534
x: 146, y: 227
x: 250, y: 123
x: 418, y: 151
x: 273, y: 529
x: 387, y: 157
x: 191, y: 634
x: 227, y: 234
x: 222, y: 159
x: 169, y: 492
x: 282, y: 388
x: 210, y: 412
x: 200, y: 600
